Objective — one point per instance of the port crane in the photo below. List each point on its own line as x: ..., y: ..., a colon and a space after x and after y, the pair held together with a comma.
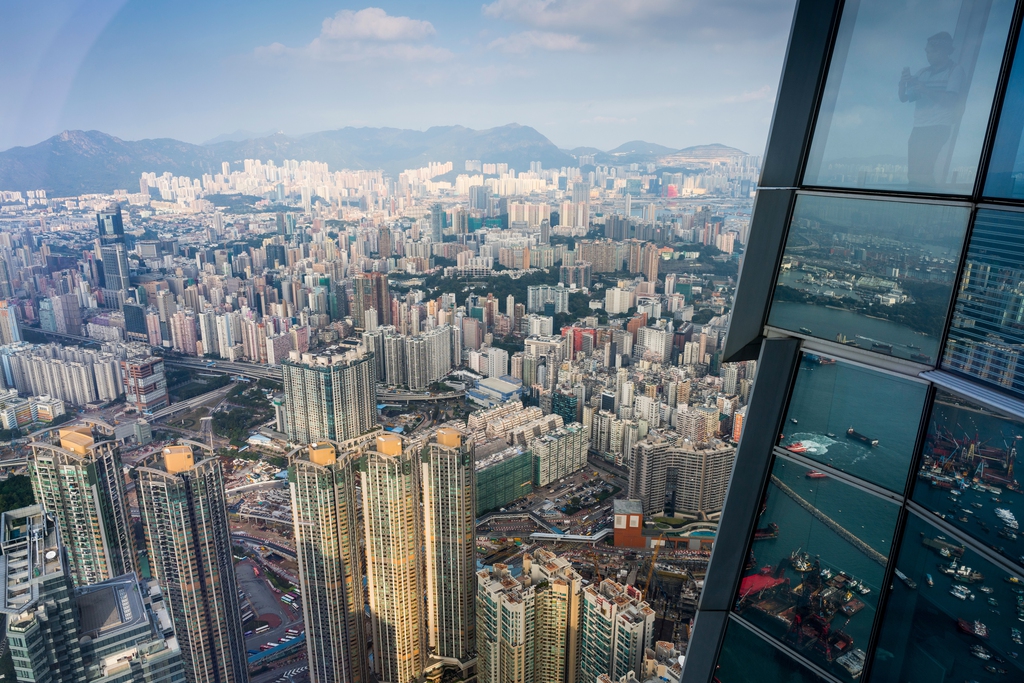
x: 658, y: 543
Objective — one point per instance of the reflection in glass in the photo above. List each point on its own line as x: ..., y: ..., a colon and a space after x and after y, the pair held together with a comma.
x: 870, y: 273
x: 746, y: 658
x: 1006, y: 169
x: 967, y: 472
x: 951, y: 616
x: 986, y: 336
x: 908, y: 94
x: 854, y: 419
x: 816, y: 566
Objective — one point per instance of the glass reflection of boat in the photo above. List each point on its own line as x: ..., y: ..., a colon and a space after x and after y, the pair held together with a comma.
x: 801, y: 561
x: 993, y: 602
x: 881, y: 346
x: 766, y: 533
x: 972, y: 628
x: 806, y: 330
x: 959, y: 592
x: 921, y: 358
x: 797, y: 447
x: 911, y: 584
x: 853, y: 662
x: 928, y: 579
x: 987, y: 590
x: 793, y: 420
x: 830, y: 435
x: 912, y: 346
x: 1015, y: 636
x: 856, y: 436
x: 981, y: 653
x: 815, y: 474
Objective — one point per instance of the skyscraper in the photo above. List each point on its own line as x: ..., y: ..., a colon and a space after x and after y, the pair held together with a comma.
x: 436, y: 223
x: 182, y: 503
x: 10, y: 331
x: 330, y: 397
x: 113, y: 250
x: 616, y: 627
x: 327, y: 533
x: 42, y: 622
x: 370, y: 290
x: 449, y: 529
x: 394, y: 544
x: 80, y: 482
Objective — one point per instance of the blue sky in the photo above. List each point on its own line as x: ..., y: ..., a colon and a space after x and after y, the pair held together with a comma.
x: 582, y: 72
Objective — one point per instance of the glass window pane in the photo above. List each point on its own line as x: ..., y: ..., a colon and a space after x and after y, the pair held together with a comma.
x: 967, y: 471
x: 987, y: 331
x: 955, y: 617
x: 855, y: 420
x: 1006, y: 169
x: 908, y: 94
x: 816, y: 565
x: 746, y: 658
x: 870, y: 273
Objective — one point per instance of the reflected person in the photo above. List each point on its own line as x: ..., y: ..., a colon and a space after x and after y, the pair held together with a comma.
x: 935, y: 91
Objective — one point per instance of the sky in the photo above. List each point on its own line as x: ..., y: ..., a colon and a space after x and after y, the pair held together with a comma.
x: 582, y: 72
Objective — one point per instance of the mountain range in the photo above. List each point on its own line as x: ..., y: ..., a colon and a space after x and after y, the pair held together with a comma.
x: 81, y: 162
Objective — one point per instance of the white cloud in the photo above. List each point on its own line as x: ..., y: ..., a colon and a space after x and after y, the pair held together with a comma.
x: 366, y: 35
x: 519, y: 43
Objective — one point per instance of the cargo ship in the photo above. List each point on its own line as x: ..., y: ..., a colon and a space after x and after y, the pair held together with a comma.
x: 797, y: 447
x: 856, y: 436
x: 911, y: 584
x: 972, y: 628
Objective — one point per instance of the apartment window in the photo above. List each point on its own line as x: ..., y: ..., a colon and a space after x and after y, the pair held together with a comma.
x: 1006, y: 168
x: 854, y: 419
x: 952, y: 615
x: 987, y: 332
x: 870, y: 273
x: 908, y: 95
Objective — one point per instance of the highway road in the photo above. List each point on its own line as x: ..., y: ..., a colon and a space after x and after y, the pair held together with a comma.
x: 189, y: 404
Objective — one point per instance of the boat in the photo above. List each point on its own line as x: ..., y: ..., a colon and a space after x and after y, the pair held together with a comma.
x: 928, y: 579
x: 1015, y: 636
x: 911, y: 584
x: 801, y: 561
x: 826, y: 573
x: 959, y: 592
x: 863, y: 590
x: 815, y: 474
x: 766, y: 533
x: 853, y: 662
x: 793, y: 420
x: 987, y: 590
x: 852, y: 434
x: 806, y: 330
x: 972, y: 628
x: 981, y: 653
x: 993, y: 602
x: 965, y: 574
x: 882, y: 346
x: 993, y: 670
x: 913, y: 346
x: 921, y: 358
x: 830, y: 435
x: 797, y: 447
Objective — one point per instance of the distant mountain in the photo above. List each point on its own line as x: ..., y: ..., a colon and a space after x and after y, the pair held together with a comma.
x: 78, y: 162
x: 699, y: 155
x: 238, y: 136
x: 641, y: 147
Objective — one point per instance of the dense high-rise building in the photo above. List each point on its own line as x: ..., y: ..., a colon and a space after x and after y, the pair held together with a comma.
x: 145, y: 385
x: 330, y: 397
x: 184, y: 515
x: 889, y: 384
x: 322, y: 480
x: 559, y: 453
x: 394, y: 559
x: 80, y: 482
x: 680, y: 477
x: 371, y: 291
x: 616, y: 627
x: 449, y: 534
x: 38, y: 599
x: 113, y: 250
x: 10, y: 330
x: 436, y: 223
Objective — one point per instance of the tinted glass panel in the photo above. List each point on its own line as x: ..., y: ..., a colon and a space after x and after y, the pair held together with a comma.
x: 746, y: 658
x: 856, y: 420
x: 1006, y: 170
x: 908, y: 95
x: 987, y: 332
x: 953, y: 618
x: 967, y: 471
x: 816, y: 565
x: 870, y: 273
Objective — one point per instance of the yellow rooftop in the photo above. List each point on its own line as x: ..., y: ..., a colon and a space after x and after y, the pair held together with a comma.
x: 322, y: 454
x: 178, y: 459
x: 389, y: 444
x: 449, y: 437
x: 75, y: 441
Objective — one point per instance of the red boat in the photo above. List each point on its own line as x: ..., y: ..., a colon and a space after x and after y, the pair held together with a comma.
x: 975, y: 628
x: 815, y: 474
x: 797, y: 447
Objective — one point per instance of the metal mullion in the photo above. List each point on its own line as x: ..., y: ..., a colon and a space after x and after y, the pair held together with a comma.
x: 859, y: 483
x: 886, y: 196
x: 854, y: 355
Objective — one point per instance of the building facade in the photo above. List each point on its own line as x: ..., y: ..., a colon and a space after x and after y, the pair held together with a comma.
x: 184, y: 515
x: 881, y: 300
x: 329, y: 397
